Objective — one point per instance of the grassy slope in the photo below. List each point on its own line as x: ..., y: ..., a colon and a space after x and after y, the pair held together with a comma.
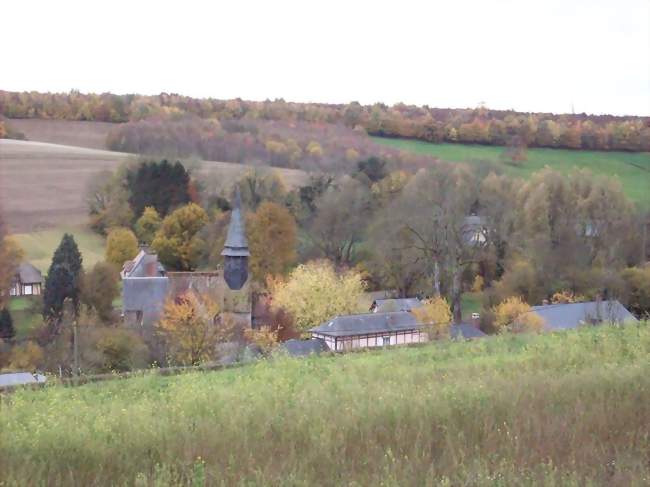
x: 39, y: 246
x: 633, y: 169
x: 560, y: 409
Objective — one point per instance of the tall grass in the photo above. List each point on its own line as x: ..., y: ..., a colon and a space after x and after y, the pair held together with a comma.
x: 561, y: 409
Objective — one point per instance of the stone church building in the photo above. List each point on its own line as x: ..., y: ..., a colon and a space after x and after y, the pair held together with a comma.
x: 147, y: 286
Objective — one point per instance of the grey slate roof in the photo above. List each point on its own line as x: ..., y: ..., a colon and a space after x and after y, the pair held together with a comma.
x: 236, y: 243
x: 28, y: 274
x: 367, y: 323
x: 142, y: 293
x: 299, y: 348
x: 144, y: 264
x: 465, y: 331
x: 572, y: 315
x: 395, y: 304
x: 20, y: 378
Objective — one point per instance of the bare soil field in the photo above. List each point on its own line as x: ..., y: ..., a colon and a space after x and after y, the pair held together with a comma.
x: 43, y: 185
x: 91, y: 135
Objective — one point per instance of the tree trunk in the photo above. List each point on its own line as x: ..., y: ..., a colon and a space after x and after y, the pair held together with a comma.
x: 456, y: 293
x: 436, y: 279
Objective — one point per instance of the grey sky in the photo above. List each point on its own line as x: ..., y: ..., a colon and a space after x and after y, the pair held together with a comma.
x: 527, y: 55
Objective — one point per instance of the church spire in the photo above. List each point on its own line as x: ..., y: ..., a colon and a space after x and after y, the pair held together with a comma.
x: 236, y: 243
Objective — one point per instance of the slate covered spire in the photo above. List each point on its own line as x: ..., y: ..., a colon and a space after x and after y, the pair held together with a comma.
x: 235, y: 250
x: 236, y: 243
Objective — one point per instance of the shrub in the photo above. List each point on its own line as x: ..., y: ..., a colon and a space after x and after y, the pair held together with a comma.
x: 515, y: 315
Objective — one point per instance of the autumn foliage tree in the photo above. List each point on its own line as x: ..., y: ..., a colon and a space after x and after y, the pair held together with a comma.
x: 121, y: 245
x: 147, y: 225
x: 178, y: 242
x: 315, y: 292
x: 99, y: 288
x: 192, y: 328
x: 435, y: 317
x: 272, y: 237
x: 10, y: 256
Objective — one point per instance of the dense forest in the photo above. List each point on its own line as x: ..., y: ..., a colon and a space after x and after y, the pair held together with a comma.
x: 479, y: 125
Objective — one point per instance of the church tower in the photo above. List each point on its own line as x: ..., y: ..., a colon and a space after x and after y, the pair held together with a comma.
x: 237, y: 293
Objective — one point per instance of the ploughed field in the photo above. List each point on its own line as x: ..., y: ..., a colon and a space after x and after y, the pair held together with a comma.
x: 43, y: 185
x: 631, y: 168
x: 569, y: 408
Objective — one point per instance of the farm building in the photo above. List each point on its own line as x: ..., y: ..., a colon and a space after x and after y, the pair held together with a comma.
x: 27, y: 281
x: 369, y: 330
x: 573, y: 315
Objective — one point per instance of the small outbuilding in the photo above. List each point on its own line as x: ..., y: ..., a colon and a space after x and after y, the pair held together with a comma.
x: 27, y: 281
x: 20, y: 379
x: 572, y: 315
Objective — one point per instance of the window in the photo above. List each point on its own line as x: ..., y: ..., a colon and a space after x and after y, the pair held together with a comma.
x: 27, y: 290
x: 386, y: 341
x: 12, y: 291
x: 138, y: 318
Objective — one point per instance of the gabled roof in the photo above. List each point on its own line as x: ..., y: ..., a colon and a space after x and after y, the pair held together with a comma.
x: 572, y: 315
x: 145, y: 264
x: 466, y: 331
x: 367, y: 323
x: 395, y: 304
x: 236, y: 243
x: 28, y: 274
x: 299, y: 348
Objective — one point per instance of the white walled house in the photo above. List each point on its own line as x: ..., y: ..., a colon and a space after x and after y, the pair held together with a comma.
x: 369, y: 330
x: 27, y: 281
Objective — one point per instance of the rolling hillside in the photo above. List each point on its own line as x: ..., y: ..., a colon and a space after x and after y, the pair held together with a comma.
x: 42, y: 185
x: 633, y: 169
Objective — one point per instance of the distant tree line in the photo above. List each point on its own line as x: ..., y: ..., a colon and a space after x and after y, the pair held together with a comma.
x: 305, y: 145
x: 479, y: 125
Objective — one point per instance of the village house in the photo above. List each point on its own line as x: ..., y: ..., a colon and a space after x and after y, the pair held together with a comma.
x: 27, y: 281
x: 370, y: 330
x: 572, y: 315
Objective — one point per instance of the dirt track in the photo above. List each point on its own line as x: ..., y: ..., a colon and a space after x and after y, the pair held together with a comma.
x: 42, y: 185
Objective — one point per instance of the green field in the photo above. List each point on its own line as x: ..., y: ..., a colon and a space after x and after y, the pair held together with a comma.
x: 40, y: 245
x: 633, y: 169
x: 569, y: 408
x: 25, y: 314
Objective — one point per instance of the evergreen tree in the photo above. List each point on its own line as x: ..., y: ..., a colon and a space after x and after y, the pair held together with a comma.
x: 63, y: 278
x: 7, y: 331
x: 59, y: 285
x: 161, y: 185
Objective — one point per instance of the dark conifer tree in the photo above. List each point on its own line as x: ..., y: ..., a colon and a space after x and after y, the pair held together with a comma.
x: 159, y: 184
x: 63, y: 278
x: 59, y: 285
x: 7, y: 331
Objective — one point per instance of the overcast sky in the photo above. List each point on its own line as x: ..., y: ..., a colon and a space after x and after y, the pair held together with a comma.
x: 547, y: 55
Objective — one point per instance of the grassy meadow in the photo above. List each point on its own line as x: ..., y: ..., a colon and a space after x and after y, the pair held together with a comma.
x: 557, y: 409
x: 39, y: 246
x: 633, y: 169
